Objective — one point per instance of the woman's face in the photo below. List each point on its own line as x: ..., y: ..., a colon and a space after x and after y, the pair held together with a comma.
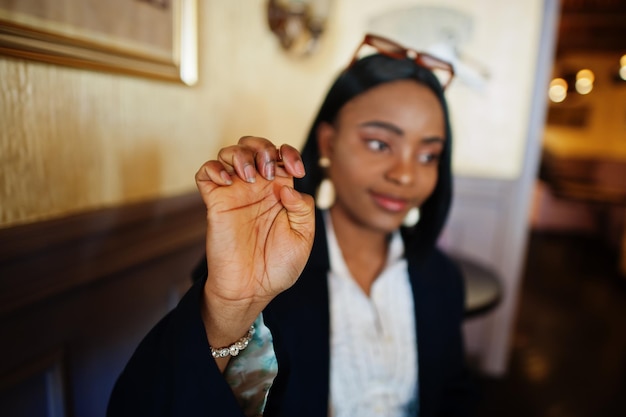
x: 384, y: 150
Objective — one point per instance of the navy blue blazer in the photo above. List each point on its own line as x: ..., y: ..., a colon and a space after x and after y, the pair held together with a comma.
x: 172, y: 372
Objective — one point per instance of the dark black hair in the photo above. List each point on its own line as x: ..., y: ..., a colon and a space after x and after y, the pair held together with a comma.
x: 363, y: 75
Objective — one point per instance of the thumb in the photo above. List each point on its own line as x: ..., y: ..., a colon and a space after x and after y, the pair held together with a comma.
x: 300, y: 211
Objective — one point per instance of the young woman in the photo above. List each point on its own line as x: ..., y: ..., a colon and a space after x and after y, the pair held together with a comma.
x: 344, y: 310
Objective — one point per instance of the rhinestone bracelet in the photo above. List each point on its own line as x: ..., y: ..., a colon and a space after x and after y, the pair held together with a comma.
x: 235, y: 348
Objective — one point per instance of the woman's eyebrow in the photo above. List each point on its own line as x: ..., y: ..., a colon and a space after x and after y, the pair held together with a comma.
x: 383, y: 125
x: 395, y: 129
x: 433, y: 140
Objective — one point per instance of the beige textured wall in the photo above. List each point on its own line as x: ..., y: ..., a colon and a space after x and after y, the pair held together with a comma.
x: 73, y: 140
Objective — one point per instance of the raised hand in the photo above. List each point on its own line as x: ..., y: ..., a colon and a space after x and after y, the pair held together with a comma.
x: 259, y: 232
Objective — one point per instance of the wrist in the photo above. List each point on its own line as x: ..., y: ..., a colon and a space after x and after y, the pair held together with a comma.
x: 227, y: 321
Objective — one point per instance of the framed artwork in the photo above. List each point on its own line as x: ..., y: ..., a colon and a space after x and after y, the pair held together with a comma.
x: 150, y: 38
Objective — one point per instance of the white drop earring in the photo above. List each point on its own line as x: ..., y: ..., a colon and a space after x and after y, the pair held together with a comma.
x: 325, y: 195
x: 412, y: 217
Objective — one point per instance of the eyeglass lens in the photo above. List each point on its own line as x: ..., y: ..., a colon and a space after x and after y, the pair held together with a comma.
x: 374, y: 44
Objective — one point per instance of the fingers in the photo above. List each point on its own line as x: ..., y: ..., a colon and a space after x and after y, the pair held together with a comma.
x: 254, y: 155
x: 292, y: 161
x: 250, y: 157
x: 300, y: 211
x: 215, y: 172
x: 210, y: 175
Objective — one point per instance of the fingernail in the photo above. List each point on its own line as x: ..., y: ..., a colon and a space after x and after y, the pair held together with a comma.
x: 248, y: 171
x: 299, y: 167
x: 270, y: 170
x: 226, y: 178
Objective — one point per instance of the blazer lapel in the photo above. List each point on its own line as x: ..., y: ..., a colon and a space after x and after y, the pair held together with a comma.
x: 299, y: 319
x: 424, y: 331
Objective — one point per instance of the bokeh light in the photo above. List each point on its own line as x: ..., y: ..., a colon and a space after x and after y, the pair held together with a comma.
x: 558, y: 90
x: 584, y: 81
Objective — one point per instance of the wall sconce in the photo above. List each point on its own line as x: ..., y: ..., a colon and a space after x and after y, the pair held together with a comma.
x: 298, y: 24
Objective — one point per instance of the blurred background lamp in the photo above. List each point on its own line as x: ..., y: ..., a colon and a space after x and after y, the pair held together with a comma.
x: 558, y: 90
x: 585, y: 74
x: 584, y: 85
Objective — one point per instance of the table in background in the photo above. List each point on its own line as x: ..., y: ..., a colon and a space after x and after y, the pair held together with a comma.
x: 483, y: 287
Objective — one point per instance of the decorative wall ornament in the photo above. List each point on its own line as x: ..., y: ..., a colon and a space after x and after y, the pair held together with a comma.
x: 298, y: 24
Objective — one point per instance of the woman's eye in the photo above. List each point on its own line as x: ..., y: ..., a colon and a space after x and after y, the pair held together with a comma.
x: 427, y: 157
x: 376, y: 145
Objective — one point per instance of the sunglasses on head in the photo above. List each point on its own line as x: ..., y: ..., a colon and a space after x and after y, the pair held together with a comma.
x: 377, y: 44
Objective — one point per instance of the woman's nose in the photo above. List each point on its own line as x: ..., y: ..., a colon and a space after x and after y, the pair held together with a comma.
x: 402, y: 171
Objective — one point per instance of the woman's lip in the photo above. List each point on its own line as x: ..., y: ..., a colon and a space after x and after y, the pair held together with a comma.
x: 389, y: 203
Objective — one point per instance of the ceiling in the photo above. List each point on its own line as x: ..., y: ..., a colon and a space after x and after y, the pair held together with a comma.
x: 592, y: 26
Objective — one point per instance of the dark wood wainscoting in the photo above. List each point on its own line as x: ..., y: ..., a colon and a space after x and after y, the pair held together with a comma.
x: 77, y: 295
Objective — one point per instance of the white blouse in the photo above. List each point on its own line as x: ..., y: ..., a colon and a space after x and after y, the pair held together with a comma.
x: 373, y: 349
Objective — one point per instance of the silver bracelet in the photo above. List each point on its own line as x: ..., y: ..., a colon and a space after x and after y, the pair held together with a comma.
x: 235, y: 348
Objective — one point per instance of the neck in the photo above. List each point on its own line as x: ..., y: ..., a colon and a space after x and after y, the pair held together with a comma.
x: 364, y: 249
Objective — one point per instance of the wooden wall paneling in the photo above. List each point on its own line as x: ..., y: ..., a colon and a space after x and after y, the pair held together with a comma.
x: 476, y: 230
x: 475, y: 218
x: 37, y: 388
x: 84, y: 290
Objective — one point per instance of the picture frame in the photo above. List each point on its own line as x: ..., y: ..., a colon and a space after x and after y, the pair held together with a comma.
x: 149, y: 38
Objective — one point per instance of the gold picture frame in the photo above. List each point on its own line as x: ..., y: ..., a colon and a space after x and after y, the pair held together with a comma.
x: 150, y: 38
